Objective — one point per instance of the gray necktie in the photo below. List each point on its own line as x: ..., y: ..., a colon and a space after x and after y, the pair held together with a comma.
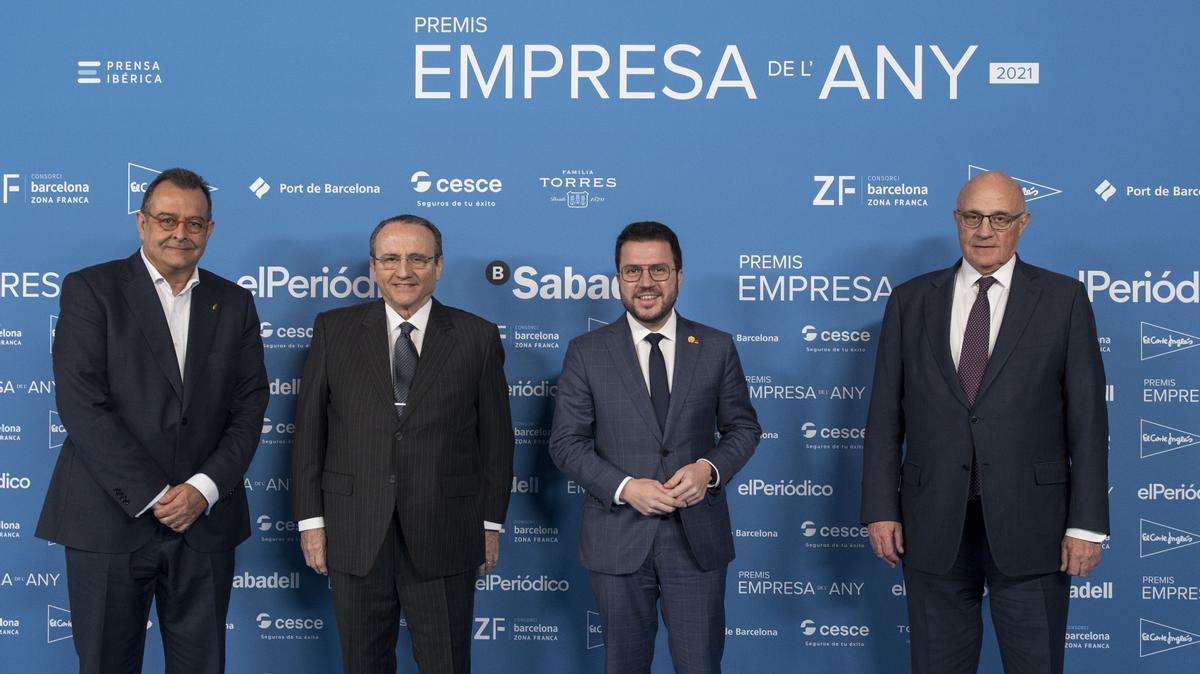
x: 404, y: 365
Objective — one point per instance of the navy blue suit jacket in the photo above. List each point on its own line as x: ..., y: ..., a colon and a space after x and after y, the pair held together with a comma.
x: 605, y: 429
x: 134, y: 425
x: 1039, y: 425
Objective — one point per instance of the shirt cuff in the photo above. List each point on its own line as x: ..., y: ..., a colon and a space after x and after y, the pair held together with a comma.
x: 207, y: 488
x: 617, y: 496
x: 153, y: 501
x: 716, y: 473
x: 311, y: 523
x: 1085, y: 535
x: 491, y: 526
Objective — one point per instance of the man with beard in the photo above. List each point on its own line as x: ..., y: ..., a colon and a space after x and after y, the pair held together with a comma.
x: 655, y: 520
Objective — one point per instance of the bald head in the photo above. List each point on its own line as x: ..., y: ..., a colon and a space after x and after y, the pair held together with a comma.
x: 994, y: 183
x: 985, y: 247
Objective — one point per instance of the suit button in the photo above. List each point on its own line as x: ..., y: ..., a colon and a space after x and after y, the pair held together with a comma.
x: 391, y: 479
x: 966, y: 467
x: 974, y: 419
x: 183, y: 421
x: 665, y: 452
x: 399, y: 436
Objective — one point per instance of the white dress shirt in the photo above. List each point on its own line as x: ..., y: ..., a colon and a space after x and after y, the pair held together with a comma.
x: 642, y: 348
x: 178, y: 311
x: 965, y: 292
x: 419, y: 321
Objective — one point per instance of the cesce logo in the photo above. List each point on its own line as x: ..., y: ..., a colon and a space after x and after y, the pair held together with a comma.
x: 422, y: 182
x: 811, y: 334
x: 811, y: 431
x: 265, y: 523
x: 809, y: 627
x: 809, y: 529
x: 264, y: 622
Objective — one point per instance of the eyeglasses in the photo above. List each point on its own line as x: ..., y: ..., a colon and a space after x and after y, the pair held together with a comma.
x: 169, y: 222
x: 999, y: 221
x: 632, y: 273
x: 416, y: 261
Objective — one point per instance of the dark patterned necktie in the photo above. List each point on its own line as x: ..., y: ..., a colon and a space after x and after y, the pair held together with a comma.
x: 404, y: 365
x: 973, y: 358
x: 660, y: 392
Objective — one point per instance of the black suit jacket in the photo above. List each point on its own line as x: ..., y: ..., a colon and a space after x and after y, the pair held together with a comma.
x: 133, y: 425
x: 445, y: 467
x: 1039, y: 425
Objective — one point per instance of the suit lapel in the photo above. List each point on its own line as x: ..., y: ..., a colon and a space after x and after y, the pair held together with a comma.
x: 937, y: 329
x: 143, y: 303
x: 437, y: 345
x: 373, y: 343
x: 202, y: 326
x: 620, y: 347
x: 687, y: 353
x: 1022, y: 299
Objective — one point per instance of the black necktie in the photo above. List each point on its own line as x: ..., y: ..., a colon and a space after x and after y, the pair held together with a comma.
x: 660, y: 392
x: 404, y: 365
x: 973, y: 358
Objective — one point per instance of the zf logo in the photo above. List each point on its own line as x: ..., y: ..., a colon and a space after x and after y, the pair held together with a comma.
x: 497, y: 272
x: 489, y: 629
x: 845, y: 186
x: 11, y: 186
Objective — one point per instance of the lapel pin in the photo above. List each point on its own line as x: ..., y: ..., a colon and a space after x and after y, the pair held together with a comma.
x: 692, y: 339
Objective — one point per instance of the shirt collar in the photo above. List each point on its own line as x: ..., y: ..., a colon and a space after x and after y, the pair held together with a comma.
x: 640, y: 331
x: 156, y: 277
x: 419, y: 320
x: 968, y: 275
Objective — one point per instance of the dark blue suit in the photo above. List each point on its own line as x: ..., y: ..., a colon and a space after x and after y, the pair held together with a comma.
x: 605, y: 429
x: 134, y: 426
x: 1039, y: 428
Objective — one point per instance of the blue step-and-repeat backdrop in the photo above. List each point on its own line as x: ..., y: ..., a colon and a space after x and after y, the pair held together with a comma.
x: 808, y: 154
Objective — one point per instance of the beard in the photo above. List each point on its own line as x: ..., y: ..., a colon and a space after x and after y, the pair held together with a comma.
x: 651, y: 316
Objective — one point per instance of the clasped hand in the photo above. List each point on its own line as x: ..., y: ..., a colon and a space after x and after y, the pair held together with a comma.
x: 685, y: 488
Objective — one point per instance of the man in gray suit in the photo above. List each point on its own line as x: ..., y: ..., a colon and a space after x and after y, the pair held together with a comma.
x: 639, y: 404
x: 402, y: 461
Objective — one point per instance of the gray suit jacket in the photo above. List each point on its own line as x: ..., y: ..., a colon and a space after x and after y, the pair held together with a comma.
x: 605, y: 429
x: 444, y: 467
